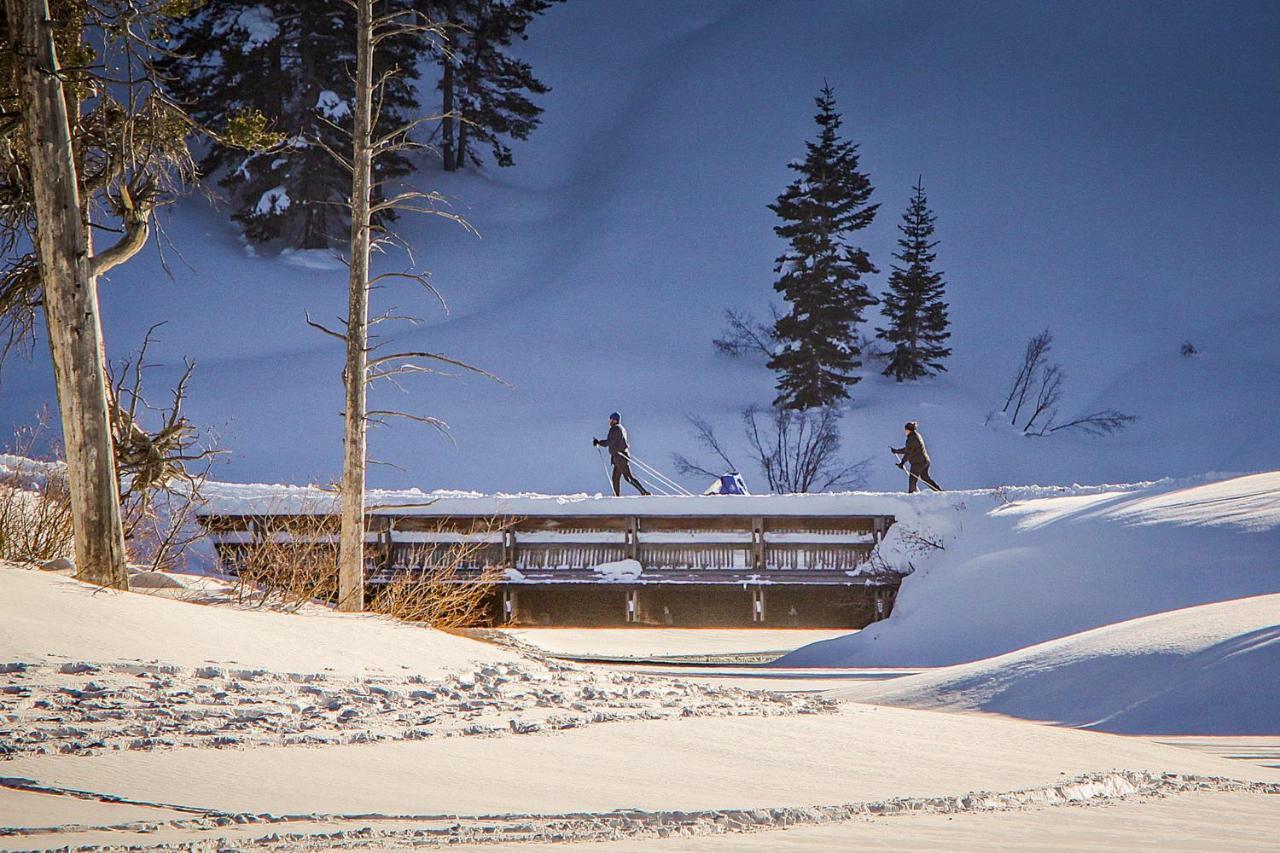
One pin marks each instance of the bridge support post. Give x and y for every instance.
(757, 604)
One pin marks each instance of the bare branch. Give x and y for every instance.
(433, 356)
(313, 324)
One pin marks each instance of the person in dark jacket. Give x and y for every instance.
(617, 444)
(916, 458)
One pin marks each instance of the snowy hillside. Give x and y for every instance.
(637, 213)
(1203, 670)
(1015, 574)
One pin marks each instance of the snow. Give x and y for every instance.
(312, 259)
(273, 201)
(664, 642)
(259, 26)
(1202, 670)
(246, 498)
(49, 617)
(1037, 568)
(667, 772)
(618, 571)
(331, 106)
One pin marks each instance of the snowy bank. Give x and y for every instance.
(1202, 670)
(1016, 573)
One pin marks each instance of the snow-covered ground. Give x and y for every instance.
(137, 719)
(1018, 568)
(1209, 669)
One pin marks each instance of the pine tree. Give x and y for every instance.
(485, 91)
(818, 350)
(294, 67)
(913, 306)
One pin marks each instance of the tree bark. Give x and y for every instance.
(70, 301)
(461, 162)
(351, 539)
(446, 85)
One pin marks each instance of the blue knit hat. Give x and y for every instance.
(614, 416)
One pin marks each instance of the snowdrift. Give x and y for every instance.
(45, 616)
(1038, 568)
(1202, 670)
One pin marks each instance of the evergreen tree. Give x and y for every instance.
(818, 349)
(485, 91)
(291, 63)
(913, 306)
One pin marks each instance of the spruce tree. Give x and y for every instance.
(485, 90)
(917, 327)
(821, 271)
(294, 66)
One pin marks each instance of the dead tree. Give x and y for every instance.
(162, 461)
(368, 200)
(744, 335)
(799, 451)
(67, 270)
(706, 436)
(1037, 389)
(1033, 359)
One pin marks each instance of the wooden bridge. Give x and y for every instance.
(767, 561)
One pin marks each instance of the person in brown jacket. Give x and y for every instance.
(916, 456)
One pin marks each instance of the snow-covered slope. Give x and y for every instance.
(1203, 670)
(638, 212)
(1012, 575)
(54, 618)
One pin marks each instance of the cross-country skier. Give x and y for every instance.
(915, 456)
(617, 444)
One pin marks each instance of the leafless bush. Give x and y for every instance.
(35, 502)
(799, 451)
(705, 435)
(162, 470)
(1104, 422)
(443, 597)
(1037, 389)
(920, 542)
(1029, 371)
(291, 560)
(445, 585)
(796, 450)
(744, 335)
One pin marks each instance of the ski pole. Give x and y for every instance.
(604, 466)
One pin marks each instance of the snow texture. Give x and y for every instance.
(1015, 570)
(1203, 670)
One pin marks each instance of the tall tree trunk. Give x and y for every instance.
(446, 85)
(70, 301)
(461, 162)
(351, 541)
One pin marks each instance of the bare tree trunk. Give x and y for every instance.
(446, 60)
(351, 540)
(461, 162)
(70, 301)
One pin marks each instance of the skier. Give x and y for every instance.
(617, 444)
(917, 457)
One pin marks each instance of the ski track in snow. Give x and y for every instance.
(374, 831)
